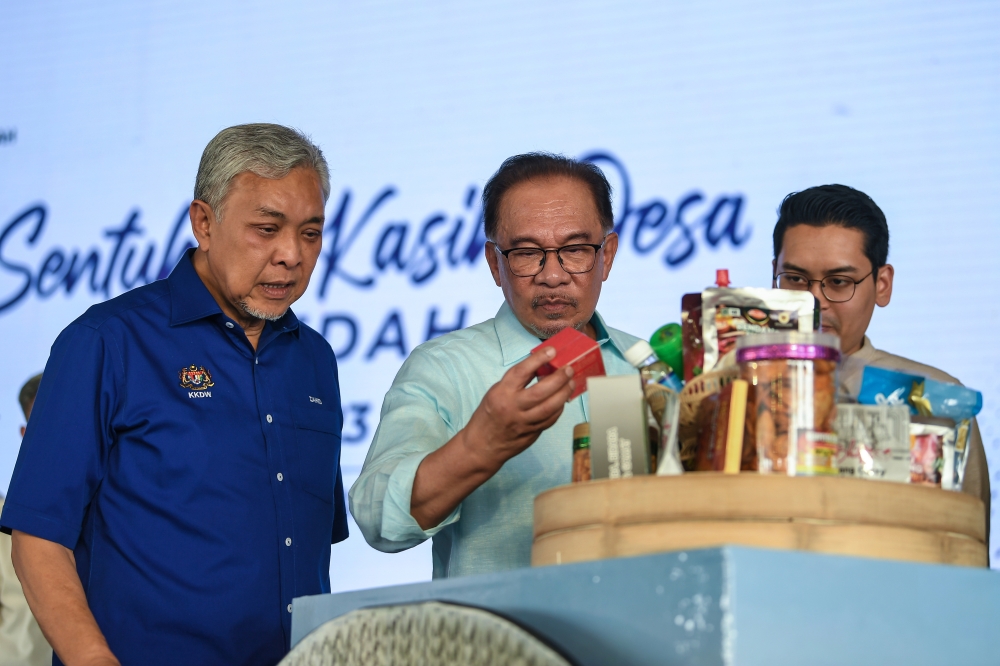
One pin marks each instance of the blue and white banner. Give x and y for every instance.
(703, 117)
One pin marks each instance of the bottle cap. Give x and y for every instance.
(722, 277)
(638, 353)
(581, 430)
(668, 345)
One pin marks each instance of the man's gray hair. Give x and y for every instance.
(264, 149)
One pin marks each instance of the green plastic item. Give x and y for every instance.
(666, 342)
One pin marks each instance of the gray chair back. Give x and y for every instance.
(425, 634)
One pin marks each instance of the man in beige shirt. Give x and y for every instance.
(834, 241)
(21, 641)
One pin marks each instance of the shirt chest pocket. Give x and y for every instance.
(317, 449)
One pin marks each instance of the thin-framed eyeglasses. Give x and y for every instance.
(529, 261)
(836, 288)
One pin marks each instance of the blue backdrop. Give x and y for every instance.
(703, 116)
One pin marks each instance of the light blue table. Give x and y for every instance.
(731, 606)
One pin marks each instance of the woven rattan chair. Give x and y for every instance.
(424, 634)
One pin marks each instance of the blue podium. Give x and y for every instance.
(730, 606)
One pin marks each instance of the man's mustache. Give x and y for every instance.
(556, 299)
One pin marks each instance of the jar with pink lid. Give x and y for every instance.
(791, 401)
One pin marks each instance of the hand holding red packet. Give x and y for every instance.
(575, 349)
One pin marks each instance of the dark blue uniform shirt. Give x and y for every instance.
(197, 480)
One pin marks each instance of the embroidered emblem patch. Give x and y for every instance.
(195, 378)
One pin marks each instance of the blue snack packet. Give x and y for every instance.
(923, 396)
(887, 387)
(946, 400)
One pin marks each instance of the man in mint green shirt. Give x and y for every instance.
(466, 439)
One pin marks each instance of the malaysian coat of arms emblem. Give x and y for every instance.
(196, 378)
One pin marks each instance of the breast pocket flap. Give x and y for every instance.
(316, 417)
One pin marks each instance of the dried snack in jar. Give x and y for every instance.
(791, 402)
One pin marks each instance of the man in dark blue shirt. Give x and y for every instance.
(179, 483)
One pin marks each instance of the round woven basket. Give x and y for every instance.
(651, 514)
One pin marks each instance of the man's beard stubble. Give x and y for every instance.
(260, 314)
(548, 331)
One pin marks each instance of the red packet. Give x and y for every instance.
(575, 349)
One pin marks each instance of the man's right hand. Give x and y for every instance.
(512, 415)
(509, 419)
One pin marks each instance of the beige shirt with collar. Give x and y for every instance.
(21, 641)
(977, 475)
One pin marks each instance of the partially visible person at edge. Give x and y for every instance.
(466, 440)
(21, 641)
(179, 483)
(834, 241)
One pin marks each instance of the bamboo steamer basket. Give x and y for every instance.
(651, 514)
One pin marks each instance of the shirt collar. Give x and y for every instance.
(516, 342)
(867, 351)
(191, 300)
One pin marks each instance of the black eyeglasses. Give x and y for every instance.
(836, 288)
(529, 261)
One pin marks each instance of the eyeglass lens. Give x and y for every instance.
(573, 258)
(836, 288)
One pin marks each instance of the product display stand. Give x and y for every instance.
(730, 606)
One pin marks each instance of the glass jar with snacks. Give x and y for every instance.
(791, 401)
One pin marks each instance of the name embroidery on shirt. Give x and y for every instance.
(196, 378)
(316, 400)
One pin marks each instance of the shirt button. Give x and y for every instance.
(281, 477)
(288, 541)
(269, 419)
(229, 324)
(289, 608)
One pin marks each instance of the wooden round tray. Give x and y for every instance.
(651, 514)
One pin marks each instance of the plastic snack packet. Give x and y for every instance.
(728, 314)
(873, 442)
(693, 351)
(880, 386)
(955, 402)
(932, 450)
